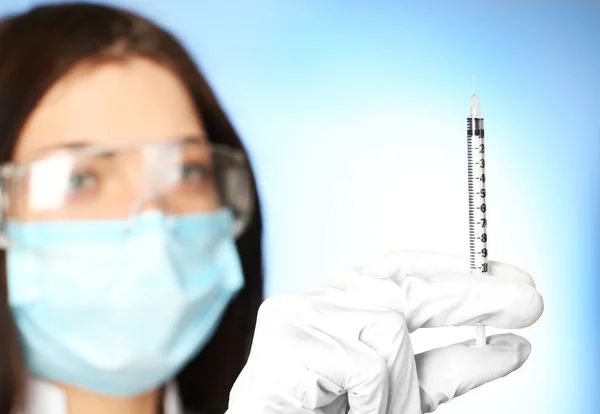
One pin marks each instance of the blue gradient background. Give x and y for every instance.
(354, 116)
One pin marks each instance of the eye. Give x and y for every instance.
(196, 172)
(82, 181)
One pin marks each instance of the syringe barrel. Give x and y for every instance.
(477, 196)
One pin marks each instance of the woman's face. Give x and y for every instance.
(108, 104)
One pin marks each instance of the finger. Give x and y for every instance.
(373, 331)
(448, 372)
(374, 340)
(387, 334)
(401, 263)
(440, 297)
(302, 360)
(274, 377)
(347, 366)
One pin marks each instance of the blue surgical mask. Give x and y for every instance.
(129, 305)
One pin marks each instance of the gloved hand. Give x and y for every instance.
(348, 347)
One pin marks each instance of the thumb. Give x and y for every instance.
(451, 371)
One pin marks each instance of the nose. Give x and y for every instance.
(148, 203)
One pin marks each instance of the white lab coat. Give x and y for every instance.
(45, 398)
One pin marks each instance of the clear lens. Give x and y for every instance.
(92, 183)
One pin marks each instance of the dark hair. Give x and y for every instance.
(39, 47)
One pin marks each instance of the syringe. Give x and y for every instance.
(477, 199)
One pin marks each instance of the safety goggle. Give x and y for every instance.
(178, 177)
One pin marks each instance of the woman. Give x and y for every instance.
(96, 74)
(123, 188)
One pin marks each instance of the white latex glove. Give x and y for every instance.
(348, 347)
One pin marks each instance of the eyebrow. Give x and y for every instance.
(186, 139)
(64, 145)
